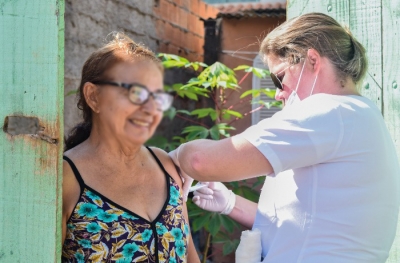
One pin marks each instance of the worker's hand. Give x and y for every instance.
(215, 198)
(186, 179)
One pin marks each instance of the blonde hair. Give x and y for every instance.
(119, 48)
(292, 39)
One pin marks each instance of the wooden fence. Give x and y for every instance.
(31, 116)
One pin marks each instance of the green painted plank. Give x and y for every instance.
(366, 26)
(31, 84)
(336, 9)
(391, 86)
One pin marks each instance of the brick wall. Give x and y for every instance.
(162, 25)
(179, 26)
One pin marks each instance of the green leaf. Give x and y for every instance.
(170, 113)
(200, 222)
(242, 67)
(214, 132)
(162, 142)
(157, 141)
(222, 84)
(228, 223)
(194, 80)
(194, 213)
(218, 69)
(260, 180)
(179, 140)
(235, 185)
(226, 116)
(184, 112)
(268, 92)
(173, 64)
(221, 237)
(214, 224)
(201, 113)
(195, 66)
(234, 113)
(230, 246)
(254, 92)
(259, 72)
(195, 132)
(190, 95)
(247, 193)
(224, 126)
(206, 84)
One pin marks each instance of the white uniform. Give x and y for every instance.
(334, 194)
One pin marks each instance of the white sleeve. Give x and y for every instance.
(297, 137)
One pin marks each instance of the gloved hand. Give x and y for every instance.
(186, 179)
(215, 198)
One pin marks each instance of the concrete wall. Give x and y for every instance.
(162, 25)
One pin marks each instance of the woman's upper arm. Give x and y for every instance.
(70, 195)
(226, 160)
(169, 166)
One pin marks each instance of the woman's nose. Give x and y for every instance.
(151, 105)
(278, 94)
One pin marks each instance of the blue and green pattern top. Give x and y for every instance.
(100, 230)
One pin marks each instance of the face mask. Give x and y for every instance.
(293, 97)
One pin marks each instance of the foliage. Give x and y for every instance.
(216, 82)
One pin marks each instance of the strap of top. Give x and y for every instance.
(158, 161)
(76, 172)
(82, 183)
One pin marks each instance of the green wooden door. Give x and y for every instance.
(31, 117)
(375, 23)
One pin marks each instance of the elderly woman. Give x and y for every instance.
(332, 190)
(121, 200)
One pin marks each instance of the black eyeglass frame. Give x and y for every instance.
(276, 80)
(130, 85)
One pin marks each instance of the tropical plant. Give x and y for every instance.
(215, 82)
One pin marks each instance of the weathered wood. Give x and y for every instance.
(336, 9)
(365, 24)
(391, 86)
(31, 85)
(375, 23)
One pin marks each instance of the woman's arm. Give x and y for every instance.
(169, 166)
(193, 257)
(216, 197)
(244, 212)
(226, 160)
(70, 195)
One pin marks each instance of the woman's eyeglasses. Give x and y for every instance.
(139, 94)
(277, 78)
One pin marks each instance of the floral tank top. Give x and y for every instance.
(100, 230)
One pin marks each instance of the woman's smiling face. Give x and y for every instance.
(117, 115)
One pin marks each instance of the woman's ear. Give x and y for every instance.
(315, 59)
(91, 93)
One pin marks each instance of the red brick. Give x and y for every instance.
(185, 4)
(173, 13)
(191, 22)
(195, 6)
(183, 18)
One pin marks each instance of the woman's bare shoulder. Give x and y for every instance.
(169, 166)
